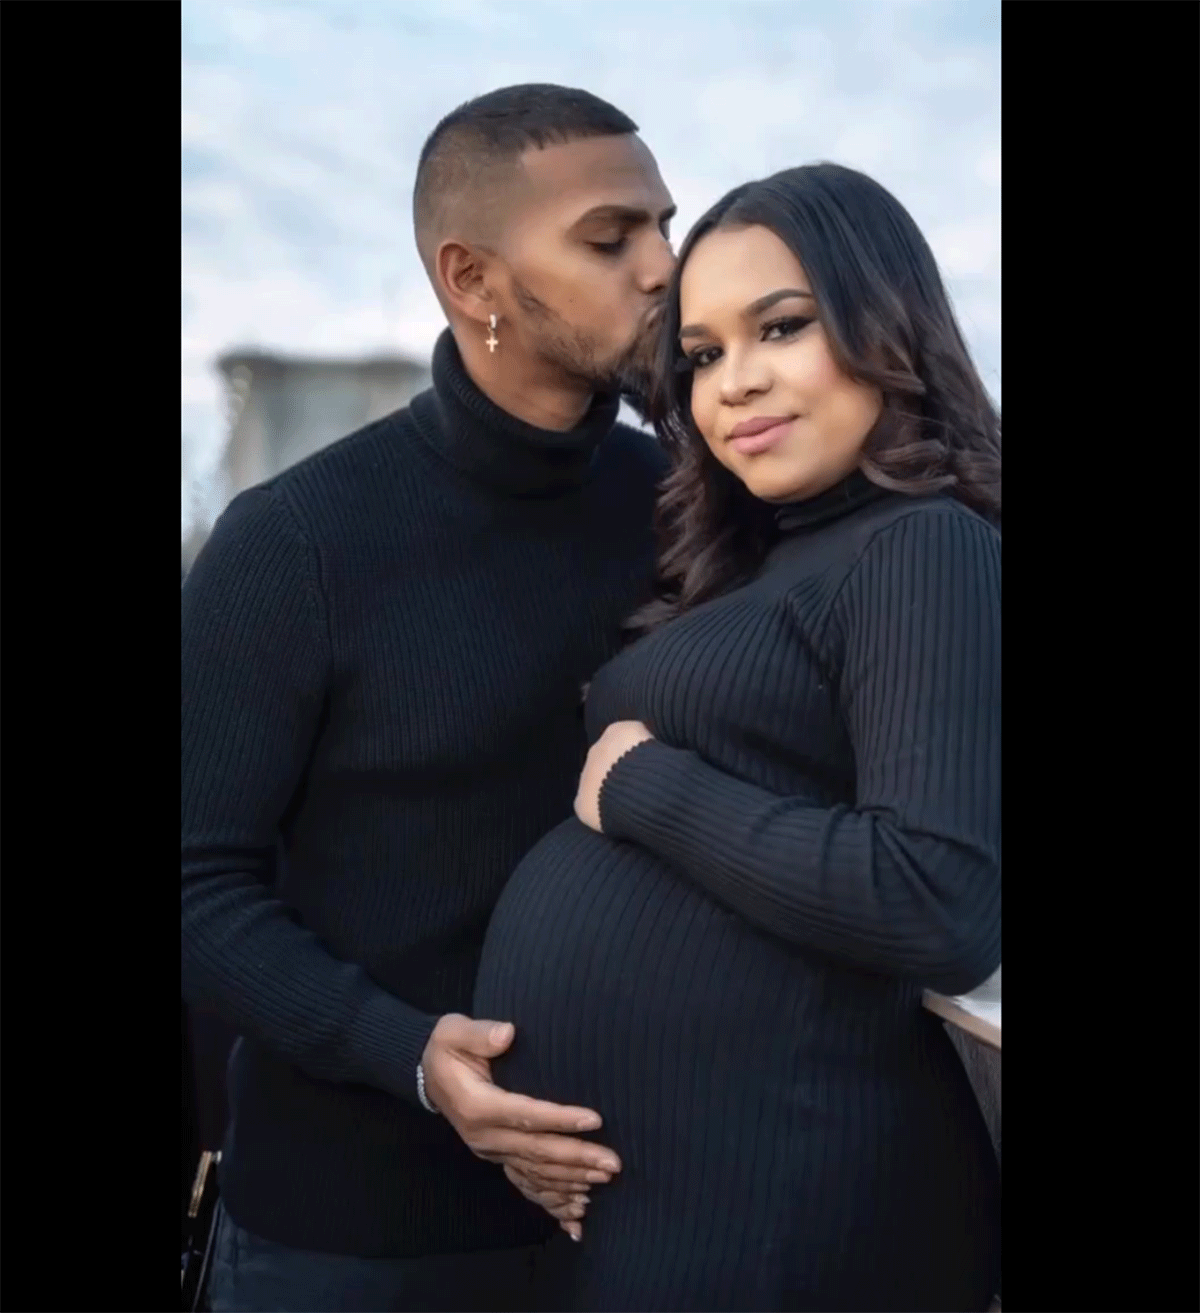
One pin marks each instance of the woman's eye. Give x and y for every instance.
(610, 248)
(705, 356)
(779, 329)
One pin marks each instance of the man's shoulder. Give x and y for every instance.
(345, 493)
(356, 460)
(635, 451)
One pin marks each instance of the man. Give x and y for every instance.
(383, 656)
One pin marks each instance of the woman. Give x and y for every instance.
(788, 824)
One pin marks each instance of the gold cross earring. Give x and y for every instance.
(492, 340)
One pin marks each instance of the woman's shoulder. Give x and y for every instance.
(926, 524)
(929, 554)
(897, 535)
(922, 524)
(832, 548)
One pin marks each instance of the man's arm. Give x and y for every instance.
(255, 678)
(255, 669)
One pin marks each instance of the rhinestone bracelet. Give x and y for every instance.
(421, 1092)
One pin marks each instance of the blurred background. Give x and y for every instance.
(305, 308)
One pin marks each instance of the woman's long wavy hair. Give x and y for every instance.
(888, 322)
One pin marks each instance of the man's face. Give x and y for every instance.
(585, 259)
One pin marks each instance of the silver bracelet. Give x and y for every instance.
(421, 1092)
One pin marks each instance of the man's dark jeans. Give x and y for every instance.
(252, 1275)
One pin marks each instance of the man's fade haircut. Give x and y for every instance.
(471, 149)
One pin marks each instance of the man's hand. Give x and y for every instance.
(607, 750)
(567, 1208)
(532, 1138)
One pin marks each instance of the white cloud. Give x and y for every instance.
(968, 249)
(987, 168)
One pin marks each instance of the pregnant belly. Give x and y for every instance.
(768, 1108)
(634, 993)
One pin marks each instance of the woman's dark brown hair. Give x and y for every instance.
(888, 322)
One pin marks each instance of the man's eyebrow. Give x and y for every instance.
(623, 214)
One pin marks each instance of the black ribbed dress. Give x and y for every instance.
(731, 974)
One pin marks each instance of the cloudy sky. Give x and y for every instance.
(303, 119)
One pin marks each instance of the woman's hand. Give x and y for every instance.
(613, 744)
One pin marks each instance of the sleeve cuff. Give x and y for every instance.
(640, 787)
(388, 1038)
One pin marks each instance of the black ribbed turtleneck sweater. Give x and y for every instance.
(383, 652)
(731, 973)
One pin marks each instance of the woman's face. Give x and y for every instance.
(767, 396)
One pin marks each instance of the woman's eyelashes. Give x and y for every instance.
(776, 330)
(780, 330)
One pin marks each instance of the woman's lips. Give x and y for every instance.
(754, 436)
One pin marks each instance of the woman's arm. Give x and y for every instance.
(907, 881)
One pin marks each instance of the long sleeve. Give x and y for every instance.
(255, 671)
(907, 880)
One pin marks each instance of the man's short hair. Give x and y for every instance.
(462, 167)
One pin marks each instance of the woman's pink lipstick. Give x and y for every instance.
(754, 435)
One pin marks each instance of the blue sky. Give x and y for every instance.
(302, 121)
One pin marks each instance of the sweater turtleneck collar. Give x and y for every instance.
(843, 498)
(493, 447)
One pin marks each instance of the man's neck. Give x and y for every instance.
(523, 392)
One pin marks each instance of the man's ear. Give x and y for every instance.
(461, 270)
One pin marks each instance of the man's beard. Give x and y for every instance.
(634, 374)
(630, 374)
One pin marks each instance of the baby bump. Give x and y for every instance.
(741, 1082)
(629, 987)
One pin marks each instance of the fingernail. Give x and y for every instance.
(600, 1178)
(591, 1123)
(500, 1033)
